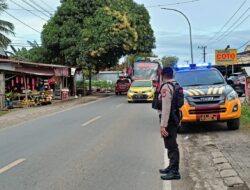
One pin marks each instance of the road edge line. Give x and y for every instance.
(11, 165)
(91, 121)
(55, 113)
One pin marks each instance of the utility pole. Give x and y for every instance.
(204, 52)
(228, 48)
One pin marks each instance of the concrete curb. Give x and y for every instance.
(229, 175)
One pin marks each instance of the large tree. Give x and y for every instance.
(34, 54)
(169, 61)
(117, 29)
(6, 27)
(97, 33)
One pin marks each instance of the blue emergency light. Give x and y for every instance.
(193, 66)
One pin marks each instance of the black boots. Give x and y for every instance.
(171, 174)
(165, 171)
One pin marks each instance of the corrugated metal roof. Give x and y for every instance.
(36, 71)
(31, 63)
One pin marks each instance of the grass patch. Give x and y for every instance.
(3, 113)
(245, 117)
(97, 84)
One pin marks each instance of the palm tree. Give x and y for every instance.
(6, 27)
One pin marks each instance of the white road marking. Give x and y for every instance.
(91, 121)
(55, 113)
(78, 106)
(119, 105)
(11, 165)
(166, 184)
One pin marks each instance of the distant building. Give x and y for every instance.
(107, 75)
(244, 57)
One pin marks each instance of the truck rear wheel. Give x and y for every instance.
(233, 124)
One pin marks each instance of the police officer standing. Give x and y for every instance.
(168, 126)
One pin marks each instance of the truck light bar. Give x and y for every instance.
(193, 66)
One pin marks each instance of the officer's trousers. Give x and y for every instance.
(172, 147)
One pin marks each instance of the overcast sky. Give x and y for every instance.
(171, 29)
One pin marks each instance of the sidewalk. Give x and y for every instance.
(18, 116)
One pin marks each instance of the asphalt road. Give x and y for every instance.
(107, 145)
(112, 145)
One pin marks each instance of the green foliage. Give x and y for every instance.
(97, 84)
(97, 33)
(245, 117)
(133, 57)
(6, 27)
(3, 112)
(169, 61)
(35, 54)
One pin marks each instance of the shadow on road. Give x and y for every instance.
(194, 128)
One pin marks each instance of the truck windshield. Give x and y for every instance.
(141, 84)
(147, 71)
(199, 78)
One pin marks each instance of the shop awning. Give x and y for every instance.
(35, 68)
(36, 71)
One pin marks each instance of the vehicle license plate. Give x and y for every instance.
(138, 96)
(209, 117)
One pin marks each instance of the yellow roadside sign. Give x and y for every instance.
(226, 57)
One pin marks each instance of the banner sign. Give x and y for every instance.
(226, 57)
(61, 72)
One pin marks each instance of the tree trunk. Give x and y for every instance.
(83, 79)
(2, 90)
(90, 82)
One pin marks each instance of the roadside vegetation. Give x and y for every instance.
(92, 35)
(3, 113)
(245, 118)
(98, 85)
(95, 39)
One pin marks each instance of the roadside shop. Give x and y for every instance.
(29, 84)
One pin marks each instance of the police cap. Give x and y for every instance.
(167, 71)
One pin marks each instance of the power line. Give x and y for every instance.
(243, 45)
(200, 59)
(35, 3)
(23, 46)
(228, 21)
(30, 10)
(35, 8)
(27, 10)
(170, 4)
(24, 43)
(232, 27)
(47, 5)
(21, 22)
